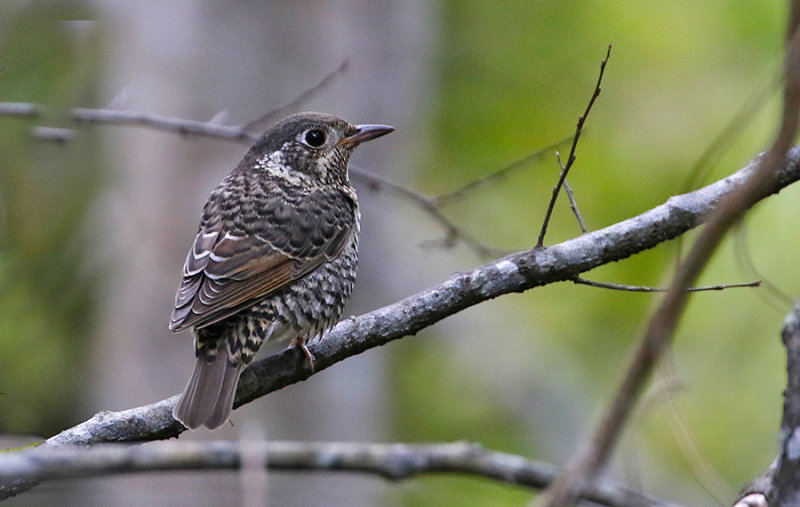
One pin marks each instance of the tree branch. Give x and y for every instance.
(514, 273)
(588, 460)
(780, 483)
(391, 461)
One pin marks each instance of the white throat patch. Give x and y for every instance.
(275, 163)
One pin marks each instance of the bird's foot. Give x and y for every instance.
(301, 344)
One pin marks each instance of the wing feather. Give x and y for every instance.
(243, 253)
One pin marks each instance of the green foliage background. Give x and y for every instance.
(46, 191)
(516, 76)
(510, 77)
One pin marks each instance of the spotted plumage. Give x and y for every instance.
(275, 256)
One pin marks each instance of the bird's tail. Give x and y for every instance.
(208, 398)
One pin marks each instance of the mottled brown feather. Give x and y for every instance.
(226, 271)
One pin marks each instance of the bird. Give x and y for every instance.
(274, 258)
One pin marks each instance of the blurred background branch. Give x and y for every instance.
(394, 462)
(431, 205)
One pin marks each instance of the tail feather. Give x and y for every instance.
(208, 398)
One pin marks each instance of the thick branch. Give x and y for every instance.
(514, 273)
(787, 475)
(390, 461)
(780, 483)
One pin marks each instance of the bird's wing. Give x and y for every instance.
(227, 269)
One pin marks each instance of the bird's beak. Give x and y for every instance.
(365, 133)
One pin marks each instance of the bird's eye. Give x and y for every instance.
(315, 138)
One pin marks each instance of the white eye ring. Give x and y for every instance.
(314, 137)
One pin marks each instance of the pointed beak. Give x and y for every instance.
(365, 133)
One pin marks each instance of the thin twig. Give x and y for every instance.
(166, 123)
(278, 113)
(428, 204)
(642, 288)
(571, 159)
(588, 460)
(705, 474)
(446, 198)
(573, 204)
(780, 300)
(722, 141)
(719, 145)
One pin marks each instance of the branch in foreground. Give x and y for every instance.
(390, 461)
(589, 459)
(514, 273)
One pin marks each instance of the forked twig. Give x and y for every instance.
(571, 159)
(573, 204)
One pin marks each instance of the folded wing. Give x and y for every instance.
(238, 260)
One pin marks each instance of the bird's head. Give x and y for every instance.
(313, 147)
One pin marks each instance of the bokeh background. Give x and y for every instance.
(93, 232)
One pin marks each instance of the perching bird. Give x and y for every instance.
(275, 257)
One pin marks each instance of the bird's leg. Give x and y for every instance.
(301, 344)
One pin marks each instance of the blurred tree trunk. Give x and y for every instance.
(246, 58)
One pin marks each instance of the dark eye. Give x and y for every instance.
(315, 138)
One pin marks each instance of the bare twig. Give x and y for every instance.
(573, 204)
(446, 198)
(705, 474)
(278, 113)
(166, 123)
(719, 145)
(391, 461)
(641, 288)
(428, 204)
(588, 460)
(571, 159)
(780, 301)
